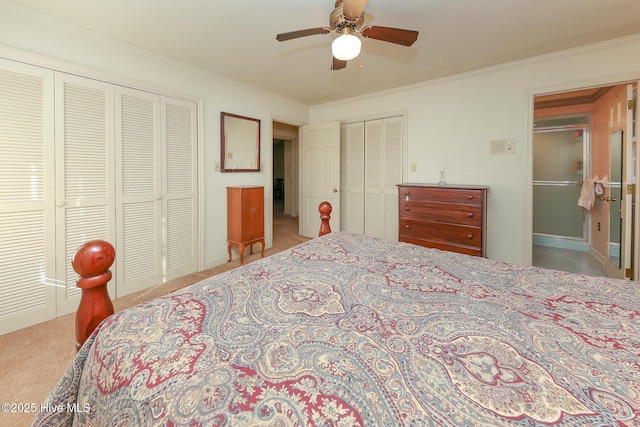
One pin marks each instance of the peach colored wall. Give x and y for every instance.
(605, 121)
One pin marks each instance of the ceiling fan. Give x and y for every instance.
(347, 19)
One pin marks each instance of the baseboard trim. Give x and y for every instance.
(561, 242)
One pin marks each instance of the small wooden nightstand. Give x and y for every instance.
(245, 218)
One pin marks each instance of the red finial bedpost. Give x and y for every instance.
(325, 215)
(92, 261)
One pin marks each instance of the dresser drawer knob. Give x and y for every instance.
(470, 215)
(470, 236)
(407, 226)
(469, 197)
(407, 208)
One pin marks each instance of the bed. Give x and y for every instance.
(349, 330)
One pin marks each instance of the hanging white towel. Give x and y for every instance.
(587, 194)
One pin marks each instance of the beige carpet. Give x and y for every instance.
(33, 359)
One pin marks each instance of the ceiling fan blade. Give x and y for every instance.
(302, 33)
(391, 35)
(353, 9)
(338, 64)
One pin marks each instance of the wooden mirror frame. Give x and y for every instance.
(242, 143)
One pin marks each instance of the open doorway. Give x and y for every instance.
(285, 182)
(571, 157)
(561, 165)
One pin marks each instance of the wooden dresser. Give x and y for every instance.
(447, 217)
(245, 218)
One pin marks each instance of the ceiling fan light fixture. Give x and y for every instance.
(346, 47)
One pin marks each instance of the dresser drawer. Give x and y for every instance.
(441, 232)
(469, 250)
(442, 212)
(466, 196)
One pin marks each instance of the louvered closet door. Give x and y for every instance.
(383, 171)
(374, 173)
(85, 196)
(139, 192)
(27, 204)
(352, 177)
(392, 174)
(179, 186)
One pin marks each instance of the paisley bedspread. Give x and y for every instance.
(348, 330)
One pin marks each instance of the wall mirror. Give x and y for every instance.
(239, 143)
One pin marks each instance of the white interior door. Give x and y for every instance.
(371, 161)
(179, 186)
(383, 172)
(85, 176)
(64, 183)
(139, 192)
(352, 177)
(27, 202)
(618, 263)
(392, 167)
(629, 181)
(319, 175)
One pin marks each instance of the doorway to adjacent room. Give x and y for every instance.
(285, 182)
(574, 154)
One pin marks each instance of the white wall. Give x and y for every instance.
(451, 122)
(39, 40)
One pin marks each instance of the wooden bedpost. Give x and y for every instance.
(325, 215)
(92, 261)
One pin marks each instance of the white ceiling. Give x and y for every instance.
(236, 38)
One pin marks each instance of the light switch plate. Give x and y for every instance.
(503, 146)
